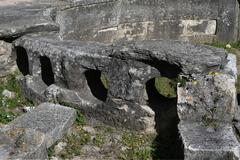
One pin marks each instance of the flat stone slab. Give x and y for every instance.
(22, 144)
(189, 57)
(19, 17)
(204, 142)
(50, 119)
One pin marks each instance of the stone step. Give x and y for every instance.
(51, 119)
(215, 141)
(22, 144)
(29, 135)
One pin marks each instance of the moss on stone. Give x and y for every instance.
(104, 81)
(166, 87)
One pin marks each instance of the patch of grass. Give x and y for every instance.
(104, 81)
(166, 87)
(217, 44)
(50, 151)
(7, 106)
(75, 142)
(137, 146)
(98, 140)
(6, 117)
(80, 119)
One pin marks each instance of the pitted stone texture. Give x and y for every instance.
(231, 67)
(18, 18)
(33, 87)
(22, 144)
(201, 142)
(50, 119)
(117, 113)
(212, 97)
(111, 20)
(7, 63)
(190, 58)
(127, 67)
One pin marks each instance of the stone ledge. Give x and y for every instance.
(205, 142)
(51, 119)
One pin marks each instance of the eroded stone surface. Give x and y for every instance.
(111, 20)
(216, 101)
(22, 143)
(70, 72)
(127, 67)
(201, 142)
(18, 18)
(206, 91)
(7, 63)
(137, 20)
(50, 119)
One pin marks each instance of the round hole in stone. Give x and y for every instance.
(22, 60)
(97, 84)
(46, 70)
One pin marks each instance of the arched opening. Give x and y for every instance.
(97, 84)
(22, 60)
(46, 70)
(162, 98)
(165, 68)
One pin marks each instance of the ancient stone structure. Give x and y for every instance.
(111, 20)
(102, 57)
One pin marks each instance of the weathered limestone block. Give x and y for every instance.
(206, 108)
(22, 144)
(77, 68)
(112, 20)
(195, 20)
(33, 88)
(212, 97)
(7, 63)
(201, 141)
(50, 119)
(18, 18)
(71, 72)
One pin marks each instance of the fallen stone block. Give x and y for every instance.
(51, 119)
(203, 141)
(22, 143)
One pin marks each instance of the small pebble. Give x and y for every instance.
(8, 94)
(89, 129)
(228, 46)
(59, 147)
(27, 109)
